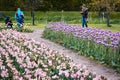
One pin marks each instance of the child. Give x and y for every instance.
(8, 22)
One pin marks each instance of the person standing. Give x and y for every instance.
(84, 13)
(19, 16)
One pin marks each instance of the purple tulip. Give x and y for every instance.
(105, 37)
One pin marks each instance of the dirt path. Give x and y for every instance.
(92, 65)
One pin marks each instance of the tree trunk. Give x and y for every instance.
(99, 14)
(107, 14)
(33, 19)
(108, 19)
(32, 11)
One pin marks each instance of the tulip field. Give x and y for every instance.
(22, 58)
(98, 44)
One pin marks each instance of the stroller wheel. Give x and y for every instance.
(8, 26)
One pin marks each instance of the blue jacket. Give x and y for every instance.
(19, 15)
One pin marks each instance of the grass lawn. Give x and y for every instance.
(36, 26)
(114, 27)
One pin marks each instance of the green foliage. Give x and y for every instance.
(42, 4)
(69, 17)
(58, 5)
(23, 30)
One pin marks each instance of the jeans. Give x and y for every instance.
(84, 22)
(20, 23)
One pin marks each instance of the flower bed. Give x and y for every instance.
(24, 29)
(25, 59)
(102, 45)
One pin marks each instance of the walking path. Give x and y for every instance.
(92, 65)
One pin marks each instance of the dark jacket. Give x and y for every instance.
(8, 22)
(85, 13)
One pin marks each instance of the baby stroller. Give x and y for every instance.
(8, 22)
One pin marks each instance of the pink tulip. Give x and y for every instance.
(86, 73)
(66, 73)
(82, 78)
(16, 77)
(28, 77)
(50, 62)
(73, 75)
(4, 73)
(1, 63)
(43, 74)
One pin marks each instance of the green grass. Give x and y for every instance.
(71, 17)
(27, 25)
(37, 26)
(114, 27)
(67, 16)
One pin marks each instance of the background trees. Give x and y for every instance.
(55, 5)
(106, 6)
(101, 6)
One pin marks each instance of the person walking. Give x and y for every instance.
(19, 16)
(84, 13)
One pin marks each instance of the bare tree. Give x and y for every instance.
(32, 5)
